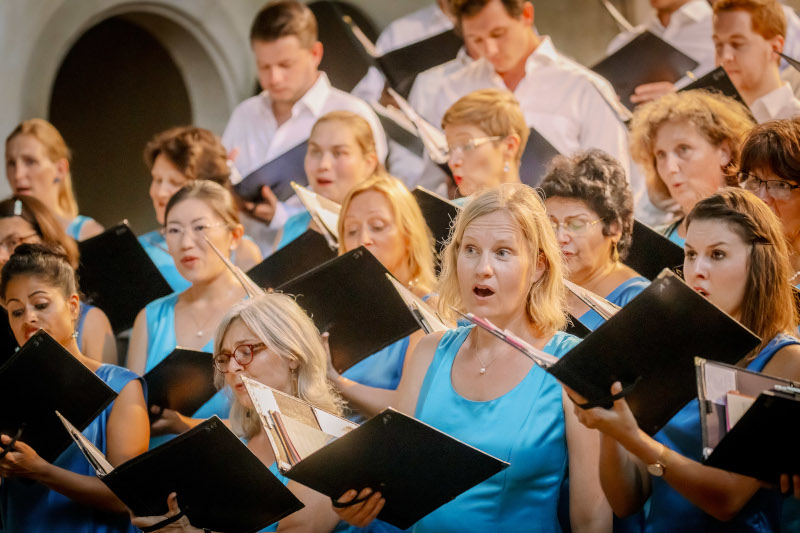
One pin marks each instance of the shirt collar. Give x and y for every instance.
(314, 99)
(545, 54)
(775, 101)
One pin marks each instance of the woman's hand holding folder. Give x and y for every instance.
(617, 422)
(179, 526)
(21, 461)
(787, 483)
(359, 509)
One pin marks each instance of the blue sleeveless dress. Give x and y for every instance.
(161, 342)
(295, 226)
(624, 293)
(525, 427)
(671, 232)
(33, 507)
(74, 228)
(669, 511)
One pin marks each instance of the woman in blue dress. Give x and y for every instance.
(187, 319)
(25, 219)
(736, 256)
(590, 205)
(381, 215)
(503, 264)
(38, 165)
(341, 154)
(176, 157)
(687, 143)
(39, 289)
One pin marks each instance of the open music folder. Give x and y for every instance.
(183, 381)
(651, 252)
(118, 276)
(220, 484)
(277, 174)
(716, 81)
(416, 467)
(439, 213)
(749, 421)
(40, 378)
(649, 346)
(306, 252)
(400, 67)
(645, 59)
(324, 212)
(351, 298)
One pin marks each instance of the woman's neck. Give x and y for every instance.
(72, 347)
(222, 287)
(595, 279)
(518, 324)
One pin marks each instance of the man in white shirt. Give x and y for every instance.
(748, 34)
(565, 102)
(686, 25)
(295, 94)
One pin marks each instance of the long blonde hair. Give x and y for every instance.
(286, 329)
(56, 150)
(546, 299)
(407, 216)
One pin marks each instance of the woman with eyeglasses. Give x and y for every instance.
(769, 166)
(737, 258)
(24, 219)
(590, 206)
(271, 340)
(486, 135)
(202, 209)
(40, 291)
(176, 157)
(38, 165)
(687, 144)
(341, 154)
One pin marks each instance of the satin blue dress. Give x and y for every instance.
(35, 508)
(669, 511)
(74, 228)
(295, 226)
(525, 427)
(160, 315)
(624, 293)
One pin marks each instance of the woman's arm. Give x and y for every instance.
(588, 508)
(367, 400)
(127, 436)
(316, 516)
(97, 338)
(89, 229)
(137, 348)
(414, 371)
(247, 255)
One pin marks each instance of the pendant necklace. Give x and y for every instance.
(483, 365)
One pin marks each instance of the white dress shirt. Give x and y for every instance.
(791, 46)
(412, 28)
(429, 81)
(564, 101)
(689, 30)
(254, 131)
(779, 104)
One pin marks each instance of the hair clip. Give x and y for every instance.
(18, 208)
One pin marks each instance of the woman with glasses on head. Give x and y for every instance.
(38, 165)
(769, 166)
(590, 205)
(737, 258)
(24, 219)
(340, 155)
(202, 209)
(40, 291)
(486, 135)
(687, 144)
(175, 158)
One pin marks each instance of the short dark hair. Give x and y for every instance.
(773, 146)
(599, 181)
(282, 19)
(470, 8)
(46, 261)
(196, 152)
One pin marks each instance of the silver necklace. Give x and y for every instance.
(484, 366)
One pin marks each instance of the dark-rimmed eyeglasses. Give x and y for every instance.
(243, 354)
(778, 189)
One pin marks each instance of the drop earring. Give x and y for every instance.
(506, 168)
